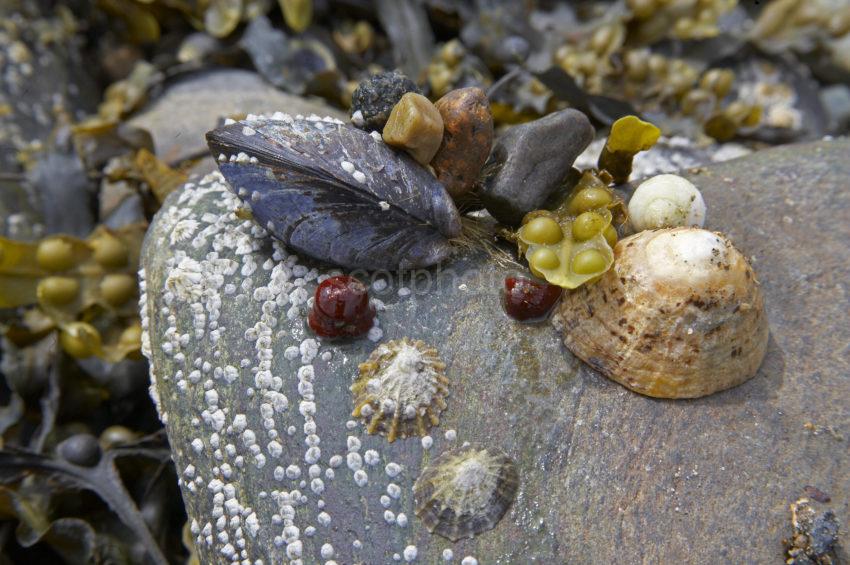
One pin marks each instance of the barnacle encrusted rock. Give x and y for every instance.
(465, 491)
(271, 462)
(401, 389)
(374, 98)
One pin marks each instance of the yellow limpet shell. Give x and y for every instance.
(629, 136)
(401, 389)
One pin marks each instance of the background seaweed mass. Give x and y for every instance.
(102, 109)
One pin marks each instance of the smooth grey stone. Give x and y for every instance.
(178, 134)
(530, 161)
(606, 475)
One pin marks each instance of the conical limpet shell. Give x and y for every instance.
(401, 389)
(679, 315)
(465, 491)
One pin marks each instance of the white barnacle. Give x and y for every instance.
(394, 490)
(324, 519)
(410, 553)
(348, 167)
(359, 176)
(354, 461)
(666, 201)
(371, 457)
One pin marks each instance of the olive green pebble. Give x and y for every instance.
(117, 289)
(589, 199)
(542, 230)
(587, 225)
(55, 254)
(58, 291)
(588, 262)
(416, 126)
(110, 252)
(79, 340)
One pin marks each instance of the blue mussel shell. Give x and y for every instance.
(336, 193)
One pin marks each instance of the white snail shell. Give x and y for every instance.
(679, 315)
(666, 201)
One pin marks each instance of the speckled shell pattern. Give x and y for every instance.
(438, 498)
(667, 326)
(336, 193)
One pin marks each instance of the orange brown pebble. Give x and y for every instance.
(467, 139)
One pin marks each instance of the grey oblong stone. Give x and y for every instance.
(530, 161)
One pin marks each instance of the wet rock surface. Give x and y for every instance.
(258, 409)
(467, 139)
(529, 161)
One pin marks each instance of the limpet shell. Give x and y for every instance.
(465, 491)
(679, 315)
(401, 389)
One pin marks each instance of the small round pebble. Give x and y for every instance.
(375, 97)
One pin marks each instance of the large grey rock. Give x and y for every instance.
(607, 476)
(530, 161)
(192, 106)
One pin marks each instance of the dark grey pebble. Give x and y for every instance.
(530, 161)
